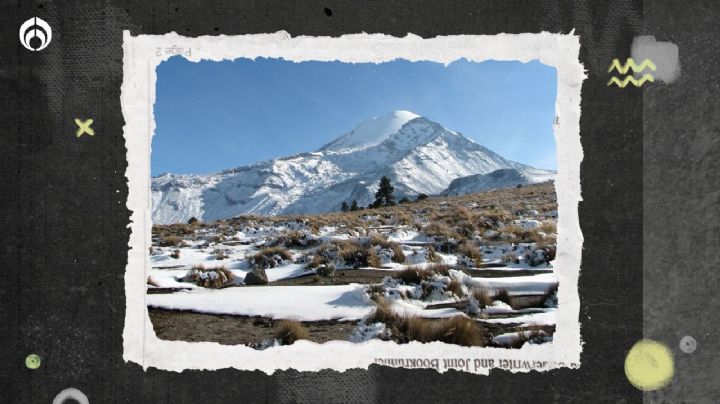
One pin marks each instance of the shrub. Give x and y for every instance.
(422, 197)
(169, 241)
(289, 331)
(471, 251)
(457, 330)
(414, 275)
(210, 277)
(175, 254)
(270, 257)
(192, 220)
(504, 296)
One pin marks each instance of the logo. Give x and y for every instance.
(35, 34)
(630, 64)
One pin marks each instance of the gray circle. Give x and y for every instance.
(688, 344)
(71, 393)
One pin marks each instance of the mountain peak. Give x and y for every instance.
(371, 132)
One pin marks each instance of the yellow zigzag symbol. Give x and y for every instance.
(630, 64)
(631, 79)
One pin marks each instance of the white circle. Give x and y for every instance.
(688, 344)
(71, 393)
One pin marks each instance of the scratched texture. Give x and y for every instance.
(64, 221)
(681, 207)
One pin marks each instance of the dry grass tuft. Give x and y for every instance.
(376, 291)
(377, 239)
(383, 312)
(170, 241)
(457, 330)
(357, 255)
(220, 254)
(270, 257)
(296, 239)
(215, 278)
(455, 288)
(441, 231)
(414, 275)
(482, 296)
(470, 250)
(289, 331)
(440, 269)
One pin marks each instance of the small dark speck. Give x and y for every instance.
(177, 9)
(217, 29)
(188, 30)
(41, 6)
(328, 12)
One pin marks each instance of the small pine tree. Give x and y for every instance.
(344, 207)
(519, 186)
(384, 195)
(354, 205)
(192, 220)
(421, 197)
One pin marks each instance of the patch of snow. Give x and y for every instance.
(302, 303)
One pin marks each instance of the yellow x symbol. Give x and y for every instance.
(84, 127)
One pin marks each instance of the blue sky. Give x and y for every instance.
(212, 116)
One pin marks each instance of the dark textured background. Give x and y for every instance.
(64, 220)
(681, 206)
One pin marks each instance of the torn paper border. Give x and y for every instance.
(142, 54)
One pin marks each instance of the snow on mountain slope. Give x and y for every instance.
(418, 155)
(503, 178)
(371, 132)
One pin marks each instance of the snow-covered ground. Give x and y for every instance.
(450, 272)
(303, 303)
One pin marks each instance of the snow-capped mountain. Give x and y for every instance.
(502, 178)
(418, 155)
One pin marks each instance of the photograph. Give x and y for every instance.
(402, 201)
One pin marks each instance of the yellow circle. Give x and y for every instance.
(649, 365)
(32, 361)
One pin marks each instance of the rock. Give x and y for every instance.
(256, 277)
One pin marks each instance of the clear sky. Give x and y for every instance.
(213, 116)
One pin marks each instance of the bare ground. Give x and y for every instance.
(235, 330)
